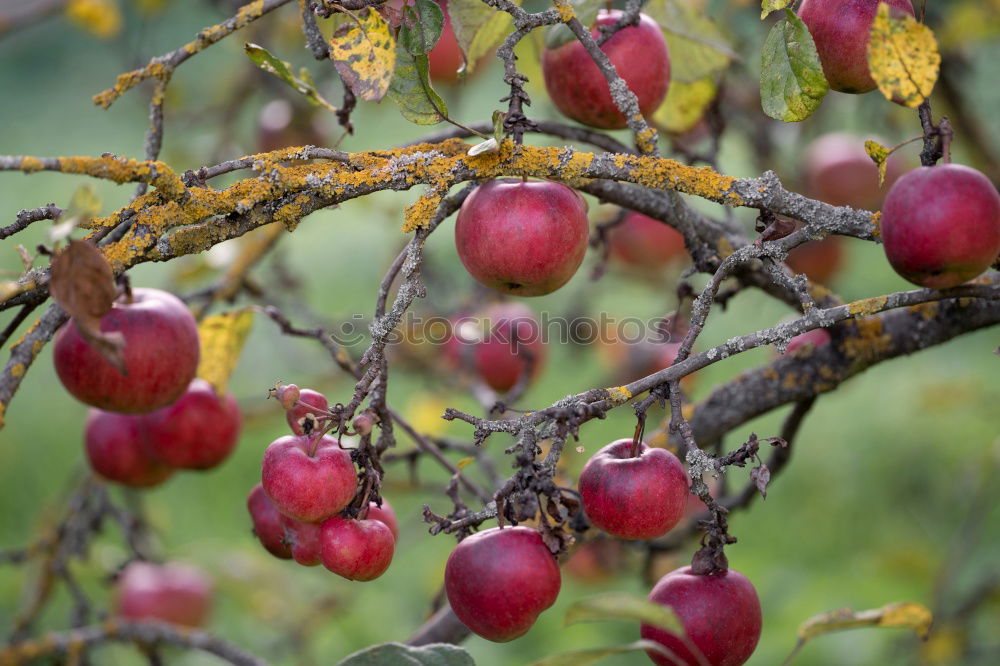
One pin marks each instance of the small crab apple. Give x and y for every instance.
(267, 523)
(646, 243)
(525, 238)
(175, 593)
(356, 549)
(117, 450)
(503, 343)
(198, 431)
(499, 580)
(161, 355)
(578, 88)
(721, 615)
(941, 225)
(819, 260)
(815, 339)
(287, 394)
(308, 480)
(304, 541)
(384, 514)
(302, 416)
(634, 492)
(841, 30)
(839, 171)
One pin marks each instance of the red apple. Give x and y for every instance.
(267, 523)
(503, 342)
(118, 451)
(644, 242)
(839, 172)
(841, 30)
(446, 58)
(303, 540)
(522, 237)
(198, 431)
(819, 260)
(304, 411)
(941, 225)
(384, 514)
(174, 593)
(721, 616)
(579, 89)
(308, 480)
(634, 496)
(356, 549)
(596, 561)
(161, 355)
(814, 339)
(499, 580)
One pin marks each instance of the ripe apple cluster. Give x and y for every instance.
(307, 482)
(157, 417)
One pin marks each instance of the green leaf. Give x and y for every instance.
(397, 654)
(620, 606)
(422, 26)
(768, 6)
(792, 84)
(901, 614)
(304, 86)
(879, 155)
(411, 90)
(478, 28)
(697, 46)
(585, 10)
(593, 655)
(498, 118)
(364, 54)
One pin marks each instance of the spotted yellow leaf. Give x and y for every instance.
(685, 104)
(903, 57)
(222, 338)
(901, 614)
(880, 156)
(364, 54)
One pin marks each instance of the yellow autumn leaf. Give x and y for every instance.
(465, 462)
(880, 156)
(685, 104)
(364, 54)
(900, 614)
(903, 57)
(424, 414)
(222, 338)
(101, 18)
(768, 6)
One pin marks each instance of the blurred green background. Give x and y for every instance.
(881, 486)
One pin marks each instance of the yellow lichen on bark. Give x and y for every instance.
(869, 341)
(664, 174)
(31, 164)
(618, 395)
(867, 306)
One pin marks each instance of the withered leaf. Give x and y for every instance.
(761, 476)
(83, 285)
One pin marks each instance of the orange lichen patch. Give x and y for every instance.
(118, 170)
(867, 306)
(618, 395)
(645, 141)
(792, 381)
(31, 164)
(667, 174)
(877, 224)
(129, 80)
(869, 340)
(290, 214)
(769, 374)
(565, 10)
(17, 370)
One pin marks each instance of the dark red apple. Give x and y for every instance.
(644, 242)
(174, 593)
(634, 496)
(721, 616)
(841, 30)
(198, 431)
(267, 523)
(839, 172)
(308, 480)
(503, 342)
(820, 260)
(356, 549)
(161, 355)
(596, 561)
(304, 412)
(304, 541)
(941, 225)
(384, 514)
(118, 451)
(499, 580)
(815, 338)
(522, 237)
(579, 89)
(446, 58)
